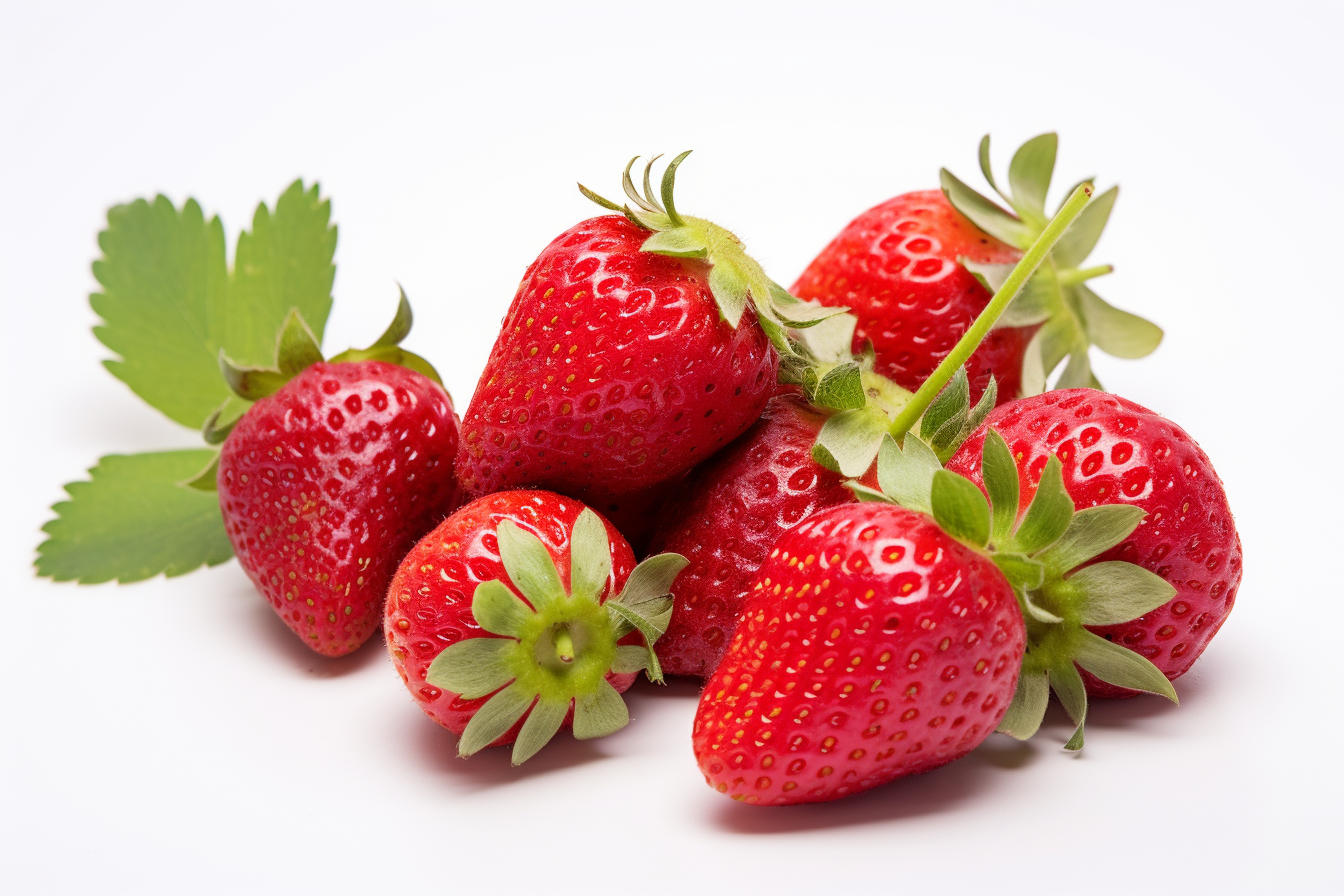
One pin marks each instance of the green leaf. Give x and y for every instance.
(168, 305)
(207, 480)
(498, 610)
(906, 474)
(1121, 667)
(630, 658)
(985, 214)
(651, 580)
(1026, 712)
(296, 348)
(542, 723)
(529, 565)
(1081, 238)
(1049, 514)
(1116, 332)
(1001, 481)
(474, 667)
(493, 720)
(1021, 571)
(1030, 171)
(599, 713)
(1068, 686)
(948, 409)
(841, 388)
(589, 557)
(850, 440)
(730, 292)
(680, 242)
(988, 171)
(1092, 531)
(402, 321)
(132, 520)
(1116, 591)
(960, 508)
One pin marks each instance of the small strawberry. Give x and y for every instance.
(915, 271)
(330, 477)
(637, 345)
(1113, 451)
(874, 645)
(523, 613)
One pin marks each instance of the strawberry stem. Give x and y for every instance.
(969, 342)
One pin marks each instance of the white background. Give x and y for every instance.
(173, 737)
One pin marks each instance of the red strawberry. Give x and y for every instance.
(726, 517)
(1113, 451)
(874, 645)
(635, 347)
(914, 269)
(505, 622)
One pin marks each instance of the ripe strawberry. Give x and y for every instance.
(1113, 451)
(522, 613)
(330, 477)
(874, 645)
(914, 270)
(727, 515)
(636, 347)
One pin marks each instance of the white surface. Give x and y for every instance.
(172, 737)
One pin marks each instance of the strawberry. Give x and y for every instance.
(874, 645)
(330, 477)
(1113, 451)
(523, 613)
(635, 347)
(914, 270)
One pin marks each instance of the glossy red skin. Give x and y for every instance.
(429, 601)
(873, 646)
(895, 267)
(326, 484)
(1114, 451)
(612, 370)
(725, 520)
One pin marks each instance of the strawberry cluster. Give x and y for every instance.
(865, 521)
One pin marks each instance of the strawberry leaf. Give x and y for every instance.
(599, 713)
(1090, 532)
(474, 667)
(1005, 492)
(1029, 174)
(1068, 687)
(1049, 514)
(496, 717)
(1115, 591)
(498, 610)
(1081, 238)
(1121, 667)
(542, 724)
(132, 521)
(986, 215)
(1025, 713)
(960, 508)
(1116, 332)
(589, 557)
(906, 474)
(529, 565)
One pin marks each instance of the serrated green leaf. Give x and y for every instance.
(1121, 667)
(986, 215)
(1026, 712)
(906, 474)
(841, 388)
(680, 242)
(1004, 488)
(529, 565)
(589, 557)
(1116, 332)
(498, 610)
(493, 720)
(1048, 515)
(474, 667)
(1029, 174)
(132, 520)
(851, 438)
(1092, 531)
(599, 713)
(541, 725)
(168, 304)
(1115, 591)
(960, 508)
(1072, 694)
(1081, 238)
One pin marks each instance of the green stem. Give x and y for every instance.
(564, 646)
(1075, 276)
(969, 342)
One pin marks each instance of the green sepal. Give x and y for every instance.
(676, 243)
(493, 720)
(1027, 711)
(600, 713)
(988, 171)
(1081, 238)
(1029, 175)
(474, 667)
(1036, 611)
(529, 565)
(865, 495)
(960, 508)
(1049, 514)
(906, 474)
(1115, 591)
(542, 724)
(1092, 531)
(947, 411)
(630, 658)
(1116, 332)
(985, 214)
(1072, 693)
(498, 610)
(1021, 571)
(1001, 482)
(296, 349)
(645, 604)
(223, 419)
(841, 388)
(849, 440)
(589, 556)
(1121, 667)
(387, 348)
(207, 480)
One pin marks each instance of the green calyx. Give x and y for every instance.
(554, 648)
(1047, 554)
(1071, 315)
(736, 280)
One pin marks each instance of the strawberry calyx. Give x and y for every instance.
(549, 650)
(736, 280)
(1071, 316)
(1048, 554)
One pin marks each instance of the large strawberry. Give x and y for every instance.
(522, 613)
(637, 346)
(330, 477)
(1113, 451)
(915, 271)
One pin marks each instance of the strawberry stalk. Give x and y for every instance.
(1017, 278)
